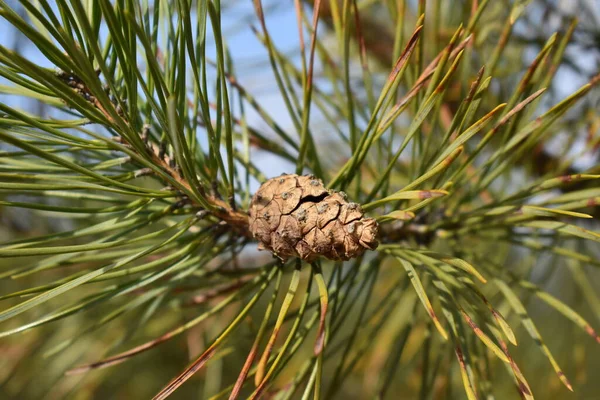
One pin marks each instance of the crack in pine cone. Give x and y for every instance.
(294, 215)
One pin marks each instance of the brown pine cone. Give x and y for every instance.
(297, 216)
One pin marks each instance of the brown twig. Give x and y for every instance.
(222, 210)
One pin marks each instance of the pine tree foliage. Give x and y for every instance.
(138, 273)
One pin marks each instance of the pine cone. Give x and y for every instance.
(297, 216)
